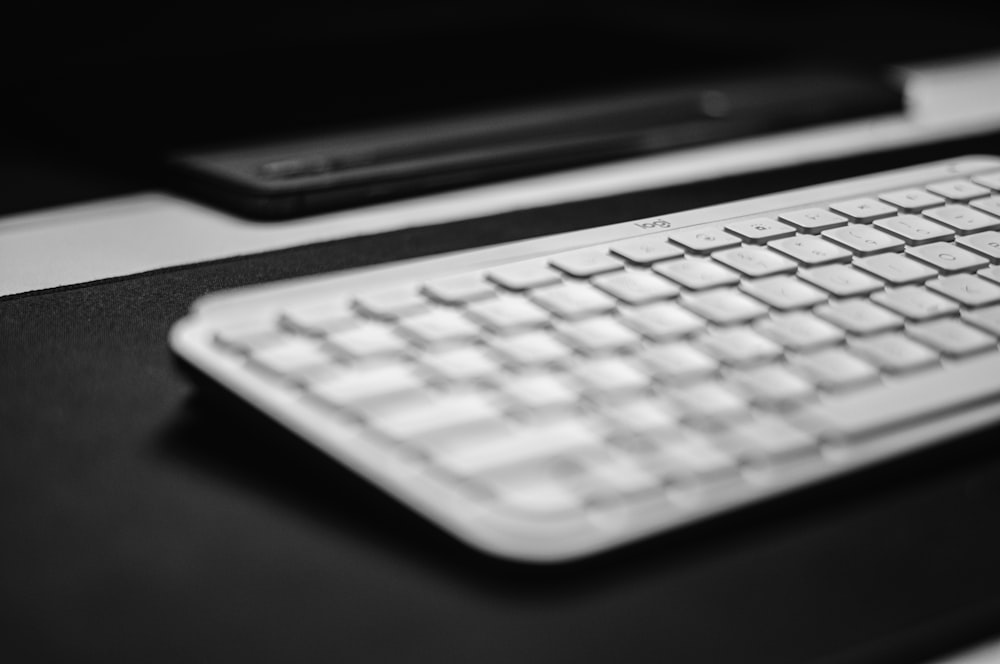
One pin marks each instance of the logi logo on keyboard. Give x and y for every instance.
(650, 224)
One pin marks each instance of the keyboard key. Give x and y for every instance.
(772, 385)
(524, 275)
(661, 321)
(992, 273)
(760, 230)
(990, 180)
(951, 337)
(438, 326)
(813, 220)
(710, 402)
(507, 313)
(990, 205)
(610, 376)
(642, 415)
(370, 388)
(958, 190)
(647, 249)
(573, 300)
(863, 209)
(986, 243)
(914, 229)
(863, 240)
(834, 368)
(962, 219)
(841, 280)
(947, 257)
(690, 462)
(859, 316)
(367, 340)
(317, 319)
(739, 346)
(893, 352)
(598, 335)
(766, 439)
(291, 357)
(810, 250)
(697, 273)
(586, 262)
(391, 303)
(784, 292)
(755, 261)
(459, 289)
(967, 289)
(249, 336)
(461, 364)
(912, 199)
(539, 391)
(895, 268)
(987, 319)
(724, 306)
(467, 416)
(636, 287)
(799, 330)
(532, 348)
(702, 239)
(915, 303)
(678, 361)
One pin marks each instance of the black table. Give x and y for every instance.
(146, 520)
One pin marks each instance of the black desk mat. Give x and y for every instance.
(146, 521)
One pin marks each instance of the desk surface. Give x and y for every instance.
(149, 522)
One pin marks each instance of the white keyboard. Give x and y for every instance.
(549, 399)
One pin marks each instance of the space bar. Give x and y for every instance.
(876, 409)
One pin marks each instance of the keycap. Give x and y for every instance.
(914, 229)
(610, 376)
(992, 273)
(573, 300)
(755, 261)
(318, 318)
(367, 340)
(391, 303)
(915, 303)
(678, 361)
(249, 335)
(958, 190)
(863, 209)
(986, 244)
(834, 368)
(912, 199)
(951, 337)
(813, 220)
(863, 240)
(597, 335)
(760, 229)
(538, 391)
(459, 289)
(859, 316)
(524, 275)
(799, 330)
(291, 356)
(466, 416)
(532, 348)
(990, 180)
(647, 249)
(986, 318)
(710, 401)
(507, 313)
(739, 346)
(661, 321)
(963, 219)
(703, 239)
(641, 415)
(370, 388)
(438, 326)
(989, 205)
(723, 306)
(841, 280)
(810, 250)
(772, 385)
(697, 273)
(586, 262)
(636, 287)
(967, 289)
(947, 257)
(893, 352)
(767, 439)
(461, 364)
(784, 292)
(691, 462)
(895, 268)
